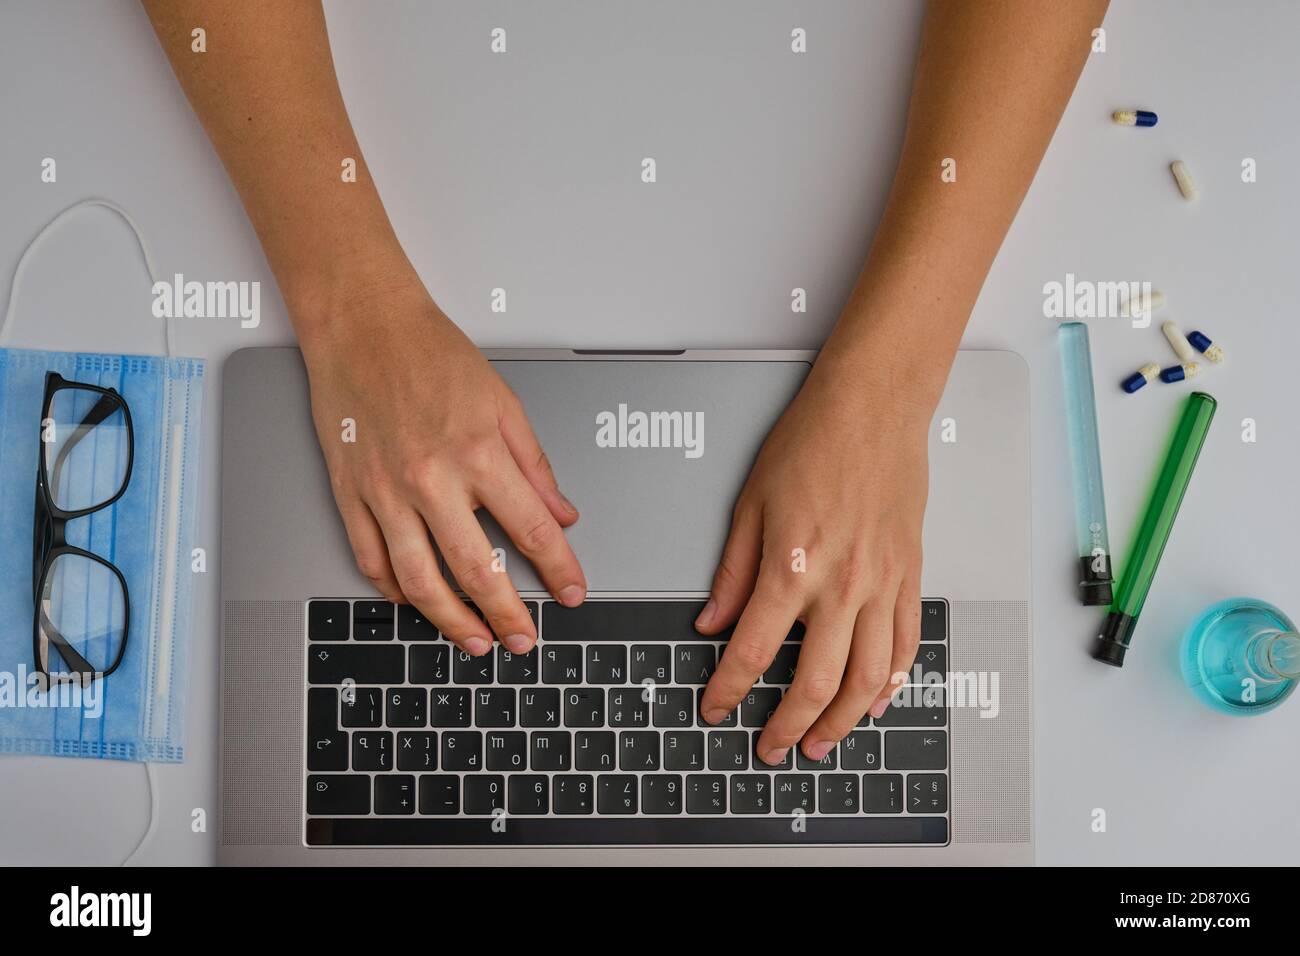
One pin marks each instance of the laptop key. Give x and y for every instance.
(933, 661)
(673, 707)
(882, 793)
(781, 670)
(661, 793)
(627, 621)
(485, 793)
(728, 750)
(573, 793)
(606, 664)
(693, 663)
(494, 707)
(860, 750)
(787, 762)
(413, 626)
(628, 708)
(359, 663)
(638, 750)
(651, 662)
(826, 763)
(529, 794)
(616, 794)
(706, 793)
(467, 669)
(338, 794)
(684, 750)
(327, 746)
(562, 665)
(751, 793)
(417, 751)
(362, 707)
(406, 706)
(550, 750)
(327, 620)
(731, 720)
(915, 707)
(395, 794)
(372, 621)
(796, 791)
(429, 663)
(507, 750)
(758, 705)
(517, 668)
(449, 707)
(439, 794)
(934, 620)
(595, 750)
(916, 750)
(372, 750)
(584, 707)
(838, 793)
(927, 793)
(539, 707)
(462, 750)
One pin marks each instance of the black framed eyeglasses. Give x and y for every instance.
(81, 605)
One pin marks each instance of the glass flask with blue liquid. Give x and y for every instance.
(1242, 656)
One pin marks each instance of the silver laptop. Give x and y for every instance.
(351, 733)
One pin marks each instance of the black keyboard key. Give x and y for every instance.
(781, 670)
(860, 750)
(362, 707)
(485, 793)
(796, 791)
(758, 705)
(507, 750)
(933, 661)
(550, 750)
(651, 662)
(517, 668)
(467, 669)
(606, 664)
(449, 707)
(462, 750)
(838, 793)
(628, 708)
(803, 763)
(916, 750)
(413, 626)
(673, 707)
(338, 794)
(694, 663)
(616, 794)
(731, 720)
(595, 750)
(751, 793)
(395, 794)
(706, 793)
(406, 707)
(584, 707)
(430, 663)
(915, 707)
(927, 793)
(372, 610)
(494, 707)
(573, 794)
(882, 793)
(787, 762)
(640, 621)
(661, 793)
(684, 750)
(327, 746)
(359, 663)
(562, 664)
(638, 750)
(539, 707)
(372, 621)
(440, 794)
(417, 751)
(372, 750)
(934, 620)
(529, 794)
(728, 750)
(327, 620)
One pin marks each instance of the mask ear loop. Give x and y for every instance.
(48, 227)
(167, 337)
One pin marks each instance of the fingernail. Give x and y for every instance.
(716, 715)
(820, 749)
(879, 708)
(518, 643)
(477, 646)
(572, 595)
(568, 505)
(774, 758)
(707, 614)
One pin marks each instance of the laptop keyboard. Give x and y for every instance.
(594, 738)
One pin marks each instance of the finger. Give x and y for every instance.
(367, 542)
(532, 461)
(733, 582)
(422, 583)
(867, 672)
(817, 679)
(907, 637)
(763, 626)
(468, 554)
(535, 532)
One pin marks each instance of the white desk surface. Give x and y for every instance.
(522, 171)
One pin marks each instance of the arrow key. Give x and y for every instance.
(327, 620)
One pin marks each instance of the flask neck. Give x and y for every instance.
(1274, 655)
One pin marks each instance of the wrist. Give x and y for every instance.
(333, 294)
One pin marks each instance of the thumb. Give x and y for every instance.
(733, 582)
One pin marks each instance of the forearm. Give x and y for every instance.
(991, 83)
(266, 93)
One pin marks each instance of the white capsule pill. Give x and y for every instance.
(1143, 305)
(1182, 348)
(1183, 177)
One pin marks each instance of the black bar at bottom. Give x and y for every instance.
(429, 832)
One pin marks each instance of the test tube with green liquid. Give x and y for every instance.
(1153, 533)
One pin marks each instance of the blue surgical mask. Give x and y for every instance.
(136, 711)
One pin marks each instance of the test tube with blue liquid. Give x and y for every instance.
(1085, 461)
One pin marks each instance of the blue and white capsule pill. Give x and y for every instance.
(1202, 343)
(1135, 118)
(1147, 373)
(1176, 373)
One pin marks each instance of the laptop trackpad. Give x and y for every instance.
(652, 454)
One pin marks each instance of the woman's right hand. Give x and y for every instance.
(437, 434)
